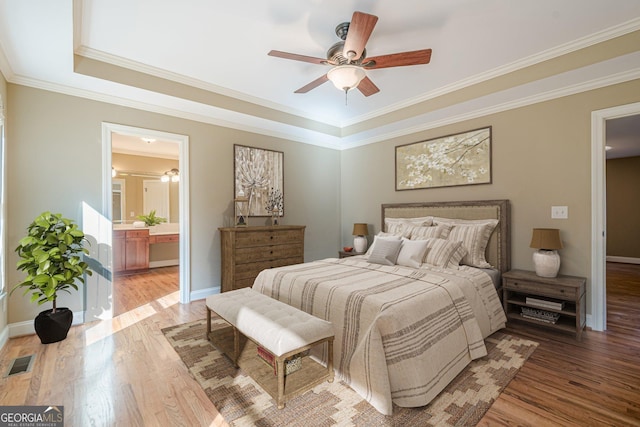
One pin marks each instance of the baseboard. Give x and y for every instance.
(26, 328)
(4, 337)
(623, 259)
(203, 293)
(164, 263)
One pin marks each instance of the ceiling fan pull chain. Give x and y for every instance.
(346, 92)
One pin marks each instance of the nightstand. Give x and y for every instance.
(558, 303)
(343, 254)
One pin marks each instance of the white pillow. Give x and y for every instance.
(412, 252)
(444, 253)
(381, 234)
(385, 251)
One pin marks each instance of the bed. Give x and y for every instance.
(405, 329)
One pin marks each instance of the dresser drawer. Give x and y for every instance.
(549, 290)
(260, 253)
(248, 273)
(261, 238)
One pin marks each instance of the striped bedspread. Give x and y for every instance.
(401, 334)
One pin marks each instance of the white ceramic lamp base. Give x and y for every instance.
(360, 243)
(547, 263)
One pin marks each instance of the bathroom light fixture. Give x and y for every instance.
(148, 140)
(113, 172)
(172, 175)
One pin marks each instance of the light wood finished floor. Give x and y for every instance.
(134, 290)
(123, 371)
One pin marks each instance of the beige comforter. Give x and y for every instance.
(401, 334)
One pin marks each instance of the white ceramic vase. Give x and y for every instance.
(547, 263)
(360, 243)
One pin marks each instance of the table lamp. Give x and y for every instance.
(360, 241)
(546, 259)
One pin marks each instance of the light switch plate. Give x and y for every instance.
(559, 212)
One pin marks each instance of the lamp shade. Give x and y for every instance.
(360, 229)
(346, 77)
(546, 238)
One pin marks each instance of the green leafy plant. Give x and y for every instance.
(52, 258)
(151, 219)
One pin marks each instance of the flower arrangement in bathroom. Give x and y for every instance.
(274, 205)
(151, 219)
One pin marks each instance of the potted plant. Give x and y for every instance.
(52, 258)
(151, 219)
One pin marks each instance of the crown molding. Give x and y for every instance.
(558, 51)
(118, 61)
(498, 108)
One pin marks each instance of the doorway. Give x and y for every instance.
(598, 319)
(110, 133)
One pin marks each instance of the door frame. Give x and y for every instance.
(598, 321)
(184, 203)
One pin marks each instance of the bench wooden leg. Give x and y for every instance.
(330, 359)
(280, 368)
(208, 323)
(236, 346)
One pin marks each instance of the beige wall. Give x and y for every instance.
(4, 283)
(127, 163)
(623, 205)
(541, 158)
(54, 162)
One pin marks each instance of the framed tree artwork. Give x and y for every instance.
(259, 174)
(460, 159)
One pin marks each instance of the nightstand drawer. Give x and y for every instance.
(550, 290)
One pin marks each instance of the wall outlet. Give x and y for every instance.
(559, 212)
(132, 214)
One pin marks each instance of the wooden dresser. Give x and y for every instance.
(246, 251)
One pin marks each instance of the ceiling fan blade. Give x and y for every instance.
(402, 59)
(367, 87)
(296, 57)
(314, 84)
(360, 29)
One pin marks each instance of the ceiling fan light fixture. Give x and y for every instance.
(346, 77)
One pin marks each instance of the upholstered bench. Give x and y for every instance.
(281, 329)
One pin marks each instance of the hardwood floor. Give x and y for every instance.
(134, 290)
(595, 382)
(123, 371)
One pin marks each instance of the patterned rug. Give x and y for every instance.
(243, 403)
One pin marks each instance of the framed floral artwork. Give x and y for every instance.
(460, 159)
(259, 175)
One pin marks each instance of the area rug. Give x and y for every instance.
(242, 402)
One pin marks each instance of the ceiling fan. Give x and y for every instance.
(349, 60)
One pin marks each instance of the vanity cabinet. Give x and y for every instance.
(130, 250)
(246, 251)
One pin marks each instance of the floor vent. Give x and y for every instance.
(21, 365)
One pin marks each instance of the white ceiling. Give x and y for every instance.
(218, 53)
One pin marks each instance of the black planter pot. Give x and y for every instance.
(53, 327)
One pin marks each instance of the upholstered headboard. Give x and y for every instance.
(498, 251)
